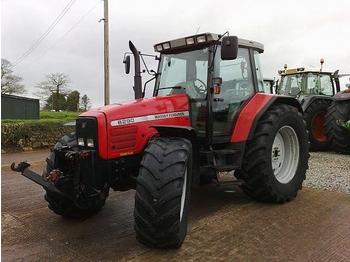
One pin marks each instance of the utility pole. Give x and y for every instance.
(106, 53)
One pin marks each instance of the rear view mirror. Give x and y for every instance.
(229, 47)
(127, 64)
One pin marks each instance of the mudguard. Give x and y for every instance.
(305, 101)
(252, 111)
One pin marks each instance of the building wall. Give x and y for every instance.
(17, 107)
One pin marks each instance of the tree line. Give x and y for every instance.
(53, 91)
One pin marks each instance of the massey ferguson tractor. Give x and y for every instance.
(315, 90)
(207, 114)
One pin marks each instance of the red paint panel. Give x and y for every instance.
(117, 141)
(247, 116)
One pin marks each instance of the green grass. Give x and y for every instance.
(46, 117)
(37, 121)
(58, 115)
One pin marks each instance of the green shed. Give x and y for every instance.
(18, 107)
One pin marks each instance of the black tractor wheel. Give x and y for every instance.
(62, 205)
(276, 158)
(163, 193)
(314, 117)
(338, 136)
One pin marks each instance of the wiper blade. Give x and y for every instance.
(171, 87)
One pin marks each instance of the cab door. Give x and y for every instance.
(234, 80)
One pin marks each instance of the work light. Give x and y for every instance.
(159, 48)
(201, 39)
(166, 45)
(189, 41)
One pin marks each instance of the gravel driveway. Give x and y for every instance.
(329, 171)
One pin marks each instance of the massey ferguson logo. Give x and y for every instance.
(83, 124)
(126, 121)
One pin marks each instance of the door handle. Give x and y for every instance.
(218, 99)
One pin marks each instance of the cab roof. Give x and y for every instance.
(201, 40)
(302, 70)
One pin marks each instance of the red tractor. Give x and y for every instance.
(207, 114)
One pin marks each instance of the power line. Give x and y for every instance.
(45, 34)
(70, 29)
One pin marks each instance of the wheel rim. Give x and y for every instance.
(285, 154)
(317, 127)
(183, 195)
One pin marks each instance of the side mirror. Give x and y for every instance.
(127, 64)
(229, 47)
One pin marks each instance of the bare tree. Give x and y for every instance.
(55, 83)
(10, 83)
(85, 103)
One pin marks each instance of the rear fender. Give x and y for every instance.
(308, 100)
(253, 110)
(277, 99)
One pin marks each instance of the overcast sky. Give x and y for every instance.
(294, 32)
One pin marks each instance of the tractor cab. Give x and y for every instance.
(300, 82)
(218, 74)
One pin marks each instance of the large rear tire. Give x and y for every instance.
(276, 158)
(314, 117)
(163, 193)
(338, 136)
(61, 205)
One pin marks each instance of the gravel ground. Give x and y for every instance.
(329, 171)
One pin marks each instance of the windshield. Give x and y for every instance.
(184, 73)
(306, 84)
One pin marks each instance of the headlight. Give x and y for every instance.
(81, 141)
(90, 142)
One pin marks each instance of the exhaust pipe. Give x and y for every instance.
(137, 77)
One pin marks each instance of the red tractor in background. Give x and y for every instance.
(208, 114)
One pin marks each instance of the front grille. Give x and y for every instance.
(86, 128)
(123, 137)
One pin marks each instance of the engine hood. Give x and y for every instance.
(142, 107)
(125, 128)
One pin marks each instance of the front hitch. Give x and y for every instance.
(23, 168)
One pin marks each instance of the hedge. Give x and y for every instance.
(28, 134)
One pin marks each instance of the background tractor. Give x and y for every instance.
(336, 118)
(208, 113)
(315, 90)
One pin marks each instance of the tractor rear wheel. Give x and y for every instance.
(62, 205)
(163, 193)
(276, 159)
(314, 117)
(338, 136)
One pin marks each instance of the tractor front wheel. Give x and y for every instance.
(276, 159)
(163, 193)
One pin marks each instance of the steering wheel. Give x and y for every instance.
(201, 89)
